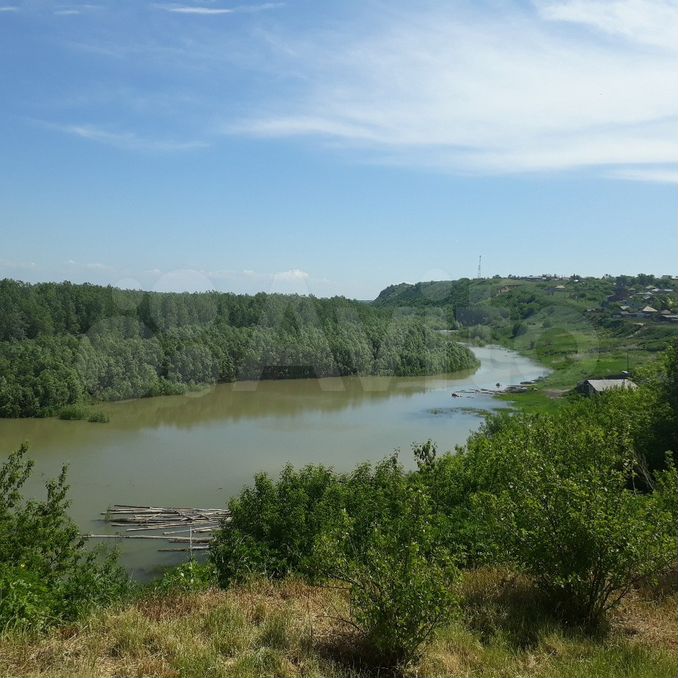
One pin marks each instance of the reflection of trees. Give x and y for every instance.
(277, 399)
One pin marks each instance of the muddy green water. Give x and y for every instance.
(200, 449)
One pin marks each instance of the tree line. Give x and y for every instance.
(62, 344)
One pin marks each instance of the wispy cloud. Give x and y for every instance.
(211, 11)
(660, 175)
(91, 266)
(652, 22)
(10, 264)
(486, 93)
(293, 275)
(127, 140)
(263, 7)
(193, 280)
(9, 9)
(207, 11)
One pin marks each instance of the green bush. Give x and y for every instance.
(274, 525)
(387, 551)
(559, 500)
(98, 417)
(25, 599)
(46, 574)
(374, 529)
(189, 576)
(73, 413)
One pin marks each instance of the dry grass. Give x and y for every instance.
(287, 629)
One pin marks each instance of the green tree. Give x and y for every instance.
(46, 574)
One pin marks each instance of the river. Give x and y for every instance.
(201, 448)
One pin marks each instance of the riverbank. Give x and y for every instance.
(290, 629)
(593, 357)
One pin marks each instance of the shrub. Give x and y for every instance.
(400, 581)
(559, 499)
(46, 575)
(273, 525)
(189, 576)
(73, 413)
(25, 599)
(98, 417)
(375, 529)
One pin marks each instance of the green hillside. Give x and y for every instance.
(580, 327)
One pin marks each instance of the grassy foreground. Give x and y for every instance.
(290, 629)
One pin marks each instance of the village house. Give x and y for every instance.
(592, 387)
(647, 312)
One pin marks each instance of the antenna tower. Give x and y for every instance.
(480, 260)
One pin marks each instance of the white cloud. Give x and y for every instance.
(197, 10)
(91, 266)
(489, 93)
(293, 275)
(127, 140)
(212, 11)
(659, 175)
(9, 9)
(251, 9)
(652, 22)
(184, 280)
(17, 265)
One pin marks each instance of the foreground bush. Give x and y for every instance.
(373, 529)
(189, 576)
(46, 575)
(274, 525)
(560, 502)
(387, 548)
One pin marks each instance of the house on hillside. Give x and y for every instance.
(592, 387)
(648, 312)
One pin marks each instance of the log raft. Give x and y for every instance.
(197, 525)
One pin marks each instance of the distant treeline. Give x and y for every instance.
(62, 343)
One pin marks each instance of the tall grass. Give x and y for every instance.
(288, 629)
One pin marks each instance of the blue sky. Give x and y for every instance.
(335, 147)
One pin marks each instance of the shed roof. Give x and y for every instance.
(608, 384)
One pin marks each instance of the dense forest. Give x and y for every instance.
(62, 343)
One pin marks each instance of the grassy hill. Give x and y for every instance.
(580, 327)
